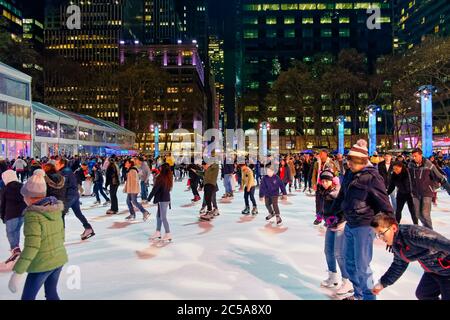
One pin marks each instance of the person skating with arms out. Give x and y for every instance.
(249, 184)
(269, 191)
(411, 243)
(44, 253)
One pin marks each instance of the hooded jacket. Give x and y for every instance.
(132, 185)
(11, 201)
(211, 174)
(70, 184)
(362, 196)
(44, 238)
(417, 243)
(55, 186)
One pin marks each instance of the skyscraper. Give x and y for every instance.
(414, 19)
(217, 64)
(95, 47)
(11, 17)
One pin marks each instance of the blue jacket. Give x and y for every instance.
(227, 169)
(70, 184)
(417, 243)
(362, 196)
(270, 186)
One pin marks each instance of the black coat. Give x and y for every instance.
(324, 202)
(361, 197)
(385, 173)
(56, 186)
(402, 181)
(11, 201)
(112, 176)
(160, 192)
(417, 243)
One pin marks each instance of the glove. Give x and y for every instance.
(331, 222)
(14, 282)
(377, 288)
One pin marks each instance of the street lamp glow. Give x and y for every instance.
(136, 41)
(179, 41)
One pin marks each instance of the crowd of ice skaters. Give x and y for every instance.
(357, 197)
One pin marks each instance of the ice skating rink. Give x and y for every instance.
(231, 257)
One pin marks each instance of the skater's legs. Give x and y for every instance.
(144, 190)
(252, 196)
(208, 195)
(268, 203)
(276, 209)
(162, 215)
(428, 288)
(13, 231)
(100, 188)
(96, 191)
(114, 200)
(412, 209)
(130, 205)
(51, 285)
(329, 250)
(194, 187)
(401, 200)
(214, 199)
(339, 252)
(136, 203)
(75, 205)
(350, 260)
(246, 195)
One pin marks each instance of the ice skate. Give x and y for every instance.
(279, 221)
(202, 211)
(109, 212)
(215, 212)
(331, 282)
(254, 211)
(167, 238)
(15, 253)
(246, 210)
(96, 203)
(156, 236)
(207, 217)
(196, 198)
(107, 203)
(88, 233)
(270, 216)
(131, 217)
(345, 288)
(145, 215)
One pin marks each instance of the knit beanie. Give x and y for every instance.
(359, 150)
(326, 175)
(35, 187)
(9, 176)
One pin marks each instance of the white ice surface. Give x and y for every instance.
(233, 257)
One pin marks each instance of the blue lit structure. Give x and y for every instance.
(340, 123)
(425, 93)
(264, 127)
(372, 113)
(155, 128)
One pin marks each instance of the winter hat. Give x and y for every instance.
(35, 187)
(9, 176)
(359, 150)
(326, 175)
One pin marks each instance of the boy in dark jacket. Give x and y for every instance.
(98, 185)
(269, 191)
(113, 182)
(401, 179)
(415, 243)
(11, 208)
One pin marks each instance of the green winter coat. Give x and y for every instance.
(211, 174)
(44, 239)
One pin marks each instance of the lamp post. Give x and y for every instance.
(340, 124)
(372, 113)
(425, 93)
(155, 128)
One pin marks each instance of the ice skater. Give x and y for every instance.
(249, 184)
(269, 191)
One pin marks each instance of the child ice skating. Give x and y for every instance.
(44, 253)
(327, 191)
(11, 208)
(269, 191)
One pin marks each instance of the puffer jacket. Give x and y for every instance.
(71, 184)
(132, 184)
(324, 202)
(424, 178)
(55, 186)
(44, 238)
(417, 243)
(362, 196)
